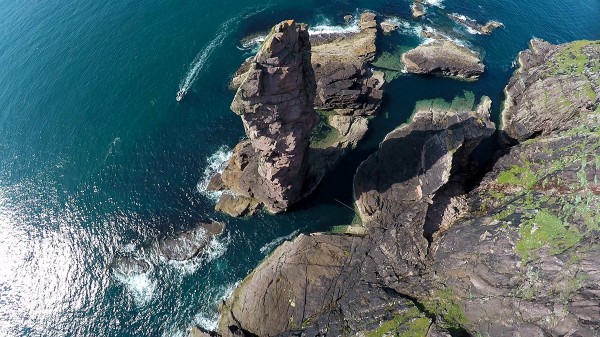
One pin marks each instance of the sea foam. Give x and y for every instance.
(267, 248)
(215, 164)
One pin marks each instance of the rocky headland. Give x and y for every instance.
(555, 88)
(449, 249)
(444, 58)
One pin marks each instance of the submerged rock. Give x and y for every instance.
(275, 102)
(475, 26)
(417, 9)
(443, 58)
(555, 88)
(189, 244)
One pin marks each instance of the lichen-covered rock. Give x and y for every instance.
(526, 259)
(443, 58)
(556, 87)
(275, 102)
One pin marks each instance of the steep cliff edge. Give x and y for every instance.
(347, 93)
(557, 87)
(275, 102)
(338, 284)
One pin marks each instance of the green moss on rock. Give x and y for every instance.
(545, 229)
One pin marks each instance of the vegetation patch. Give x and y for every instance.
(571, 60)
(444, 304)
(411, 323)
(518, 176)
(323, 134)
(545, 229)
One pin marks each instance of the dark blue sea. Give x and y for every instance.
(97, 158)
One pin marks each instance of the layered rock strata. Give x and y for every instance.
(443, 58)
(275, 101)
(347, 93)
(556, 87)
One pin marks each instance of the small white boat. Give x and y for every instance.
(180, 95)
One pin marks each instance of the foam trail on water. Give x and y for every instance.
(269, 246)
(216, 164)
(200, 60)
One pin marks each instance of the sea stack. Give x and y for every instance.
(275, 101)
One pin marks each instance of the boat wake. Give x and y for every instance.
(200, 60)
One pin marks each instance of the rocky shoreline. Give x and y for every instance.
(514, 253)
(443, 246)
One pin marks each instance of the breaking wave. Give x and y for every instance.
(269, 246)
(216, 164)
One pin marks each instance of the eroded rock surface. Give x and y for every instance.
(556, 87)
(444, 58)
(275, 101)
(347, 93)
(339, 284)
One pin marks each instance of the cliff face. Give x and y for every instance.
(516, 256)
(275, 102)
(555, 88)
(275, 96)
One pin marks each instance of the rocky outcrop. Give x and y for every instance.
(417, 9)
(338, 284)
(407, 186)
(388, 26)
(555, 88)
(443, 58)
(518, 255)
(344, 82)
(475, 26)
(347, 93)
(275, 102)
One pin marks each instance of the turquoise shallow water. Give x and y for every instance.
(97, 157)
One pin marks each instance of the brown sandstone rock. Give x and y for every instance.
(555, 88)
(275, 102)
(443, 58)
